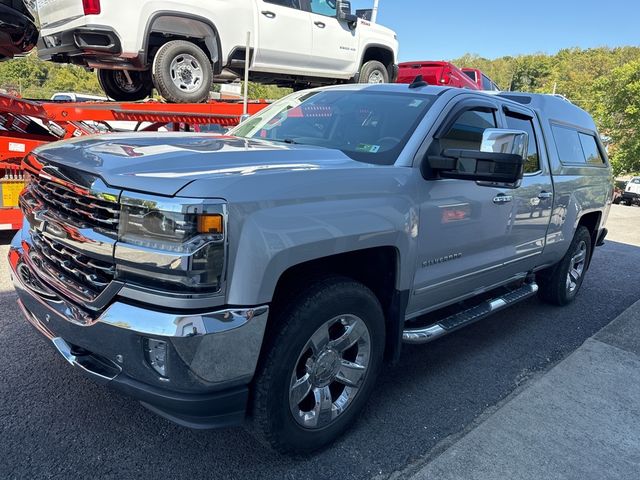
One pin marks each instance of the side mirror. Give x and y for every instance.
(499, 160)
(343, 12)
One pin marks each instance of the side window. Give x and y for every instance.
(590, 149)
(486, 83)
(285, 3)
(471, 74)
(532, 162)
(324, 7)
(568, 144)
(466, 132)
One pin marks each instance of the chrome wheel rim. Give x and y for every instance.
(576, 267)
(186, 73)
(330, 371)
(376, 77)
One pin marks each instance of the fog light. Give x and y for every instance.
(156, 352)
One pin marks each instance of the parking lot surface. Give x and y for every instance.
(55, 423)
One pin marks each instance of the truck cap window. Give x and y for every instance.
(590, 149)
(576, 147)
(368, 126)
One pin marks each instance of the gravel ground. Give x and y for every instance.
(56, 423)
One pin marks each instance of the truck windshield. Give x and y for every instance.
(368, 126)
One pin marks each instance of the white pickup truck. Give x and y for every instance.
(182, 46)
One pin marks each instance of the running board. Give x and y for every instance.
(467, 317)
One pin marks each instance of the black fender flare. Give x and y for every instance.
(176, 23)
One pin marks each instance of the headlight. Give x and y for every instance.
(172, 244)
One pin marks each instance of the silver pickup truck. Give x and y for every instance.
(268, 274)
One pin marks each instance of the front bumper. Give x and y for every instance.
(211, 357)
(631, 196)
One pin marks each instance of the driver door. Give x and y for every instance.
(463, 224)
(334, 44)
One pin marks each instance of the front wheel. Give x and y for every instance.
(374, 72)
(124, 86)
(321, 366)
(182, 72)
(560, 284)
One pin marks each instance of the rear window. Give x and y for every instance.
(576, 147)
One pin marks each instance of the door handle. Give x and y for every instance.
(319, 24)
(545, 195)
(268, 14)
(502, 198)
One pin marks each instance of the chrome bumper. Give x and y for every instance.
(206, 352)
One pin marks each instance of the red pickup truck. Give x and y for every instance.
(445, 73)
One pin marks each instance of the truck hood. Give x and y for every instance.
(167, 162)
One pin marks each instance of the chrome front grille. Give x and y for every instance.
(77, 205)
(83, 277)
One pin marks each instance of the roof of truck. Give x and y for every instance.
(552, 107)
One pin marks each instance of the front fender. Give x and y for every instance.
(275, 239)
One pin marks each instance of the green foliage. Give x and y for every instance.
(258, 91)
(603, 81)
(619, 115)
(33, 78)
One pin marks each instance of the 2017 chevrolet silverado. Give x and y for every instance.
(270, 273)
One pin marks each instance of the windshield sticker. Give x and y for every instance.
(416, 102)
(365, 147)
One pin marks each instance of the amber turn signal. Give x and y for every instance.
(210, 223)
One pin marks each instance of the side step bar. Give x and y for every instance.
(467, 317)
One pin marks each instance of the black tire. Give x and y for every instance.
(182, 72)
(373, 70)
(116, 86)
(617, 200)
(555, 285)
(274, 422)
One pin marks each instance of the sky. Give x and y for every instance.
(446, 29)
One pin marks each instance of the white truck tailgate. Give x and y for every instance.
(57, 12)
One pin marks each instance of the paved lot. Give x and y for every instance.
(579, 421)
(55, 423)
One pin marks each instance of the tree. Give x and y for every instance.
(619, 115)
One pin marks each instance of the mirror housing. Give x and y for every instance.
(499, 160)
(343, 12)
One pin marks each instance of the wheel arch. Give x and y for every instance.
(591, 221)
(381, 53)
(164, 26)
(378, 268)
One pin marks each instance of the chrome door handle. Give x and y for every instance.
(268, 14)
(502, 198)
(545, 195)
(319, 24)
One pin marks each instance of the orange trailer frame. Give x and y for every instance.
(27, 124)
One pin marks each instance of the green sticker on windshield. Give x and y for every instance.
(365, 147)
